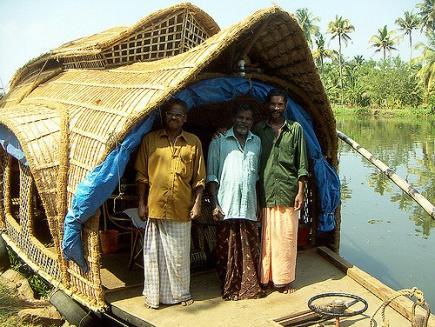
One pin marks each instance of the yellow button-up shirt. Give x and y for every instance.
(172, 172)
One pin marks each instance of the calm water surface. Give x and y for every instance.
(383, 230)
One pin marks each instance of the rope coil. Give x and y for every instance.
(417, 294)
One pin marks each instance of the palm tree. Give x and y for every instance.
(308, 24)
(407, 24)
(359, 59)
(340, 28)
(384, 40)
(427, 15)
(321, 52)
(426, 74)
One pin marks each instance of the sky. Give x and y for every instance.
(29, 28)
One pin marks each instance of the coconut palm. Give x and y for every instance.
(407, 24)
(340, 28)
(307, 22)
(383, 41)
(359, 59)
(427, 15)
(426, 74)
(321, 52)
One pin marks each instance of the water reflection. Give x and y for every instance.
(405, 146)
(383, 230)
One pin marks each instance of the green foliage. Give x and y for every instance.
(387, 85)
(39, 285)
(384, 85)
(391, 84)
(426, 73)
(321, 52)
(407, 24)
(427, 15)
(308, 23)
(341, 28)
(383, 41)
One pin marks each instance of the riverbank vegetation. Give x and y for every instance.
(389, 86)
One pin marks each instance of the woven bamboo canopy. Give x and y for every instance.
(71, 106)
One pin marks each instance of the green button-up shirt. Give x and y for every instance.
(283, 161)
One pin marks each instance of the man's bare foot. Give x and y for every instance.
(265, 287)
(288, 289)
(150, 307)
(187, 302)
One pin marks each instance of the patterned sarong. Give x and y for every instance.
(166, 262)
(238, 255)
(279, 246)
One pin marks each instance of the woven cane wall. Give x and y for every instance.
(37, 128)
(21, 233)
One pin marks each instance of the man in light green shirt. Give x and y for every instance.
(232, 174)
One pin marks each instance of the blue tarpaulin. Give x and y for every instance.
(103, 179)
(10, 144)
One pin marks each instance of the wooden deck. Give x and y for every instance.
(315, 275)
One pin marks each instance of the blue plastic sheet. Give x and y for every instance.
(10, 144)
(98, 185)
(102, 180)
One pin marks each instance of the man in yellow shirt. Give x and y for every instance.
(170, 177)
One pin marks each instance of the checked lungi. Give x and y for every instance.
(166, 262)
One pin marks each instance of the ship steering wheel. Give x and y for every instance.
(338, 306)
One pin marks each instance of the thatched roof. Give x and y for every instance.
(96, 43)
(104, 104)
(93, 49)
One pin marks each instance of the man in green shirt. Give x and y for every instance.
(283, 169)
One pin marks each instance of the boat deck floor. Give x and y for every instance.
(314, 275)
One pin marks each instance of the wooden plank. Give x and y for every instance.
(129, 318)
(402, 305)
(298, 318)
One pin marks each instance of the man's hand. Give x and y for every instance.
(219, 132)
(299, 199)
(196, 211)
(218, 214)
(142, 211)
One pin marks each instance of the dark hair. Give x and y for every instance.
(173, 101)
(276, 93)
(243, 107)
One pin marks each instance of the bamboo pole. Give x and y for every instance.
(391, 174)
(61, 185)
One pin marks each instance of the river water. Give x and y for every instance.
(383, 230)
